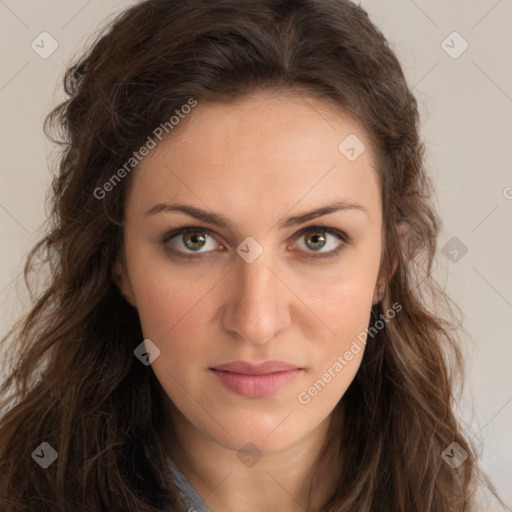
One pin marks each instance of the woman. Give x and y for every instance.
(240, 313)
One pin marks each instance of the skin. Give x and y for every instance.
(255, 161)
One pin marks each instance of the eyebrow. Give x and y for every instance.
(223, 222)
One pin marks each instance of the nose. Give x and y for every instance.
(256, 305)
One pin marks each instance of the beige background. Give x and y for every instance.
(466, 104)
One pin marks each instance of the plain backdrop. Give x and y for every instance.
(457, 58)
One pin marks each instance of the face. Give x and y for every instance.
(265, 272)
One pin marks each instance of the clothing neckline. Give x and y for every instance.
(190, 494)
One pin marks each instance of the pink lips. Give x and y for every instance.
(255, 379)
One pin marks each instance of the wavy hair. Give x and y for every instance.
(74, 381)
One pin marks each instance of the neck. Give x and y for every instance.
(303, 475)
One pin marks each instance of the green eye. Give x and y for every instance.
(318, 238)
(190, 238)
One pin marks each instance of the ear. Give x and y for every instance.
(122, 281)
(402, 229)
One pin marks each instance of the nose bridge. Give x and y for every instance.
(256, 307)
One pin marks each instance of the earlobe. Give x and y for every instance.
(120, 278)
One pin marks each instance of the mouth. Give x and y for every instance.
(256, 380)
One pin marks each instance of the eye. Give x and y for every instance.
(322, 242)
(190, 239)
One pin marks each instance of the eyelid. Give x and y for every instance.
(343, 237)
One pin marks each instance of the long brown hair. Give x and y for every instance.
(75, 383)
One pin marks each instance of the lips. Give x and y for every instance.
(256, 380)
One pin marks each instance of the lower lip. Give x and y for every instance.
(255, 385)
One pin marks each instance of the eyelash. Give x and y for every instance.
(342, 236)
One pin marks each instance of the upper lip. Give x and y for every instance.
(248, 367)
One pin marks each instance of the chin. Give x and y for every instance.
(250, 431)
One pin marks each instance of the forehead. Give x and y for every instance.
(266, 150)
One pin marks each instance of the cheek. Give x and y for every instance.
(338, 353)
(165, 298)
(343, 299)
(346, 301)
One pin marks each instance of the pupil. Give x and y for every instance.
(194, 239)
(316, 239)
